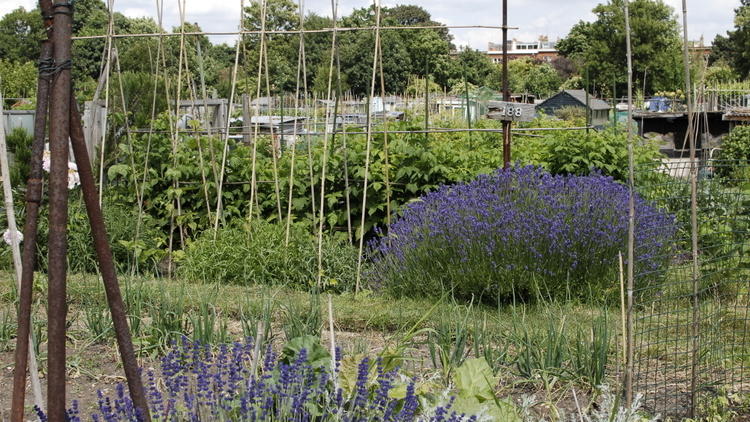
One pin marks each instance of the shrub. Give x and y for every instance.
(735, 154)
(521, 232)
(256, 254)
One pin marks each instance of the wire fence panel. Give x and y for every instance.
(691, 338)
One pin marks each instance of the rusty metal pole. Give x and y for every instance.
(58, 210)
(506, 90)
(33, 199)
(106, 263)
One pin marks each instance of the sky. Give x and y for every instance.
(533, 18)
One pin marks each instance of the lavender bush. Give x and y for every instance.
(200, 383)
(520, 232)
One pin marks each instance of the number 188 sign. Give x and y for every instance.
(516, 112)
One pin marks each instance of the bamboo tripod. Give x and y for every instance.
(64, 124)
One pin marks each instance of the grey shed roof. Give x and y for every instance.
(578, 95)
(594, 103)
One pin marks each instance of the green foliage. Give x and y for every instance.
(19, 144)
(735, 149)
(600, 45)
(475, 387)
(580, 353)
(578, 152)
(720, 73)
(207, 326)
(317, 356)
(448, 342)
(7, 328)
(132, 249)
(20, 34)
(571, 113)
(734, 47)
(17, 78)
(256, 254)
(301, 320)
(97, 321)
(540, 79)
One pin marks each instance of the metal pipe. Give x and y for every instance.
(507, 139)
(58, 210)
(106, 263)
(28, 258)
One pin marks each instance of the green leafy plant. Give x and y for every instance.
(19, 144)
(735, 156)
(475, 392)
(256, 253)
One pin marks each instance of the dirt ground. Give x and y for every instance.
(90, 368)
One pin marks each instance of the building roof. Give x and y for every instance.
(737, 114)
(580, 96)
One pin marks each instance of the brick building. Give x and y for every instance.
(542, 50)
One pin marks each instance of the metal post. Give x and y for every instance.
(506, 91)
(33, 199)
(466, 94)
(631, 219)
(588, 106)
(106, 264)
(58, 210)
(693, 214)
(426, 99)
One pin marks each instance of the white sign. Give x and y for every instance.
(516, 112)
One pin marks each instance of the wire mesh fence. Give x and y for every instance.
(690, 312)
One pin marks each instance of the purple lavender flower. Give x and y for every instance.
(203, 383)
(518, 232)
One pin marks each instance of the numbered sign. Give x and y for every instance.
(516, 112)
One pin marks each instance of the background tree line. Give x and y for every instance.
(592, 54)
(408, 55)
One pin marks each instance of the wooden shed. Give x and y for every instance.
(598, 109)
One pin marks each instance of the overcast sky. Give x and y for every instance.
(533, 17)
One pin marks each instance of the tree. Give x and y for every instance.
(599, 46)
(405, 53)
(526, 76)
(734, 48)
(282, 49)
(17, 80)
(476, 68)
(20, 34)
